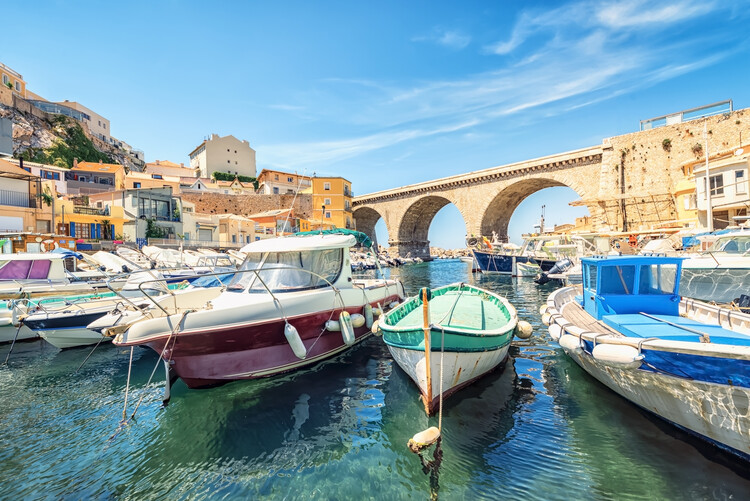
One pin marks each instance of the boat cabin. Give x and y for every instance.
(619, 285)
(295, 263)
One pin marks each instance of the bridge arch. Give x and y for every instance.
(366, 218)
(414, 228)
(498, 212)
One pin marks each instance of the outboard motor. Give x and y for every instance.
(560, 267)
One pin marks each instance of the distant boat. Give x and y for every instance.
(472, 327)
(686, 361)
(527, 270)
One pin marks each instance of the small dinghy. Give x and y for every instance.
(686, 361)
(468, 330)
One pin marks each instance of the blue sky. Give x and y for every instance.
(384, 93)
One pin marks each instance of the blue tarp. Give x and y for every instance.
(67, 253)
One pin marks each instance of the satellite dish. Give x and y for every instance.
(738, 152)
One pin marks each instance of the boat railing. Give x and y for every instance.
(256, 271)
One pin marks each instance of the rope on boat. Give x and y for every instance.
(13, 343)
(90, 353)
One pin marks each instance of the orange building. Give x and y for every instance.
(335, 194)
(91, 177)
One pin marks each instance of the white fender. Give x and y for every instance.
(347, 330)
(555, 331)
(523, 330)
(619, 356)
(569, 342)
(358, 320)
(292, 337)
(393, 305)
(333, 326)
(376, 328)
(543, 309)
(546, 318)
(368, 316)
(377, 311)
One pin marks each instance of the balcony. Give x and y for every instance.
(17, 199)
(91, 211)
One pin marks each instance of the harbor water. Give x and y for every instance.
(539, 429)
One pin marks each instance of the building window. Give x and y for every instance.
(717, 185)
(156, 176)
(326, 201)
(328, 215)
(347, 205)
(136, 185)
(18, 86)
(82, 230)
(347, 191)
(740, 182)
(275, 177)
(289, 180)
(5, 79)
(234, 237)
(275, 190)
(327, 186)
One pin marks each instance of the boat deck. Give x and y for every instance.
(461, 310)
(667, 327)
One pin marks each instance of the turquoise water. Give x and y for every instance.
(540, 429)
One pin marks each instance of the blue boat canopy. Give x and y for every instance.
(617, 285)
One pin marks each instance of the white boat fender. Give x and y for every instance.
(295, 342)
(377, 311)
(618, 356)
(568, 342)
(375, 329)
(358, 320)
(546, 318)
(393, 305)
(523, 330)
(347, 330)
(368, 315)
(333, 326)
(543, 309)
(555, 331)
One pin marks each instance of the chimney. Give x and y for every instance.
(100, 162)
(75, 162)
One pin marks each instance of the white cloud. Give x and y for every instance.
(452, 39)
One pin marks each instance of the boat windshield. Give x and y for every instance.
(288, 271)
(732, 245)
(23, 270)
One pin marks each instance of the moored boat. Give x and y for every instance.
(446, 338)
(681, 359)
(292, 303)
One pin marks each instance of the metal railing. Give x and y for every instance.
(686, 115)
(17, 199)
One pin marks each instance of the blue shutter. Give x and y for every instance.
(112, 232)
(98, 231)
(72, 229)
(92, 230)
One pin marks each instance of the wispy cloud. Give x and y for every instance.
(452, 39)
(563, 59)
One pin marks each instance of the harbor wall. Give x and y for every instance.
(246, 205)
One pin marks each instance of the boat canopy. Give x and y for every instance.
(616, 285)
(362, 238)
(301, 243)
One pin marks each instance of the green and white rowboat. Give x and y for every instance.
(468, 328)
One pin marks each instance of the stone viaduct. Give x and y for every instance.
(626, 183)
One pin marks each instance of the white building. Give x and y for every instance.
(98, 125)
(728, 178)
(223, 154)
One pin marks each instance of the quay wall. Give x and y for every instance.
(245, 205)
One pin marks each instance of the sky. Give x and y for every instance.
(384, 93)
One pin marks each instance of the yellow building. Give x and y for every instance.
(135, 180)
(88, 223)
(335, 194)
(12, 80)
(92, 177)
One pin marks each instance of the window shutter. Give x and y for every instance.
(72, 229)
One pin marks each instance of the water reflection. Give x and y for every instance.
(538, 429)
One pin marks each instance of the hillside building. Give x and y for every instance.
(223, 154)
(274, 182)
(332, 202)
(12, 80)
(728, 181)
(21, 206)
(86, 178)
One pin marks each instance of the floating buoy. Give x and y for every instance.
(543, 309)
(423, 439)
(358, 320)
(546, 318)
(619, 356)
(292, 337)
(555, 331)
(347, 330)
(368, 315)
(523, 330)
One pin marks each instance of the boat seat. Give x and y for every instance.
(637, 325)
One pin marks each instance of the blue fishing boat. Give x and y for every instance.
(684, 360)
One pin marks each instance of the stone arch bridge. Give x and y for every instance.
(486, 199)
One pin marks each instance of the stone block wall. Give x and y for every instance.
(245, 205)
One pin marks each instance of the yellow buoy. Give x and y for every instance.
(523, 330)
(424, 439)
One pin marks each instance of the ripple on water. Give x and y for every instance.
(540, 429)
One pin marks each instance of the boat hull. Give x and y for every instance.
(214, 356)
(72, 337)
(458, 369)
(8, 333)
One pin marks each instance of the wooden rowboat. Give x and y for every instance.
(468, 330)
